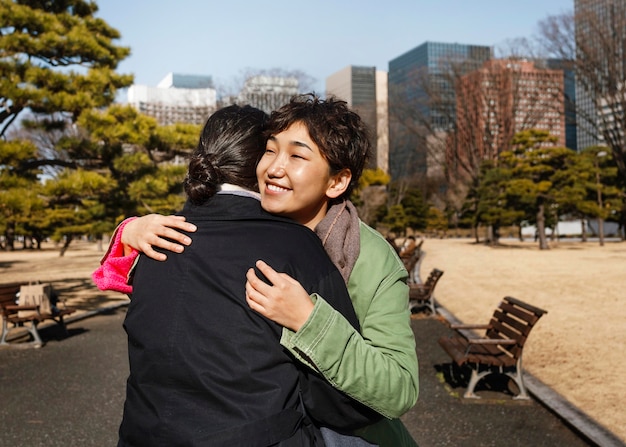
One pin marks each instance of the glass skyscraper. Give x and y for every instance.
(422, 101)
(569, 101)
(600, 30)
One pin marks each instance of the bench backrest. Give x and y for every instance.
(432, 279)
(513, 319)
(410, 261)
(8, 292)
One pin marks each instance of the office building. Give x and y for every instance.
(268, 93)
(601, 47)
(382, 117)
(611, 112)
(422, 104)
(177, 80)
(176, 99)
(357, 86)
(502, 98)
(569, 100)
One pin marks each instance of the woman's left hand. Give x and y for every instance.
(156, 230)
(284, 301)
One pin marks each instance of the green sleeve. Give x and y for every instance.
(377, 367)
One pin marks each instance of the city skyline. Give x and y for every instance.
(224, 40)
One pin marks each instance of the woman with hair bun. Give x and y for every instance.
(205, 369)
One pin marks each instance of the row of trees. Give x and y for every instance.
(534, 183)
(537, 184)
(77, 162)
(72, 161)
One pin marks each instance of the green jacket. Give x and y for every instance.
(379, 366)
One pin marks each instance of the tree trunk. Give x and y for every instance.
(9, 233)
(68, 241)
(601, 231)
(541, 228)
(489, 236)
(495, 235)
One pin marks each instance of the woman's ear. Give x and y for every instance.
(339, 183)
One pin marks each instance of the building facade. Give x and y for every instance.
(382, 117)
(267, 93)
(177, 99)
(569, 100)
(506, 96)
(422, 103)
(357, 86)
(601, 51)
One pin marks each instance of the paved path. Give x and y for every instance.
(71, 392)
(68, 393)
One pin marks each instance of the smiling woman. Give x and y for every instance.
(294, 177)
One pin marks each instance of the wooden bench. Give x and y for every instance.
(499, 351)
(412, 264)
(421, 295)
(11, 317)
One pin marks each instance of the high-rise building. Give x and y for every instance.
(177, 80)
(503, 97)
(177, 99)
(382, 126)
(357, 86)
(422, 103)
(601, 43)
(267, 93)
(569, 101)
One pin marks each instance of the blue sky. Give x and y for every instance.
(222, 39)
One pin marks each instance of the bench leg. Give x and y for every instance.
(431, 305)
(474, 379)
(32, 330)
(59, 320)
(37, 343)
(5, 332)
(415, 305)
(519, 380)
(515, 375)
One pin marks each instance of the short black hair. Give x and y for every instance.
(341, 135)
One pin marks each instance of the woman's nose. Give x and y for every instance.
(276, 170)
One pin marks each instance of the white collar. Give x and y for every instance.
(229, 188)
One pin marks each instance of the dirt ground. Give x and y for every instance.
(575, 348)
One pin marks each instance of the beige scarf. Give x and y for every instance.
(339, 232)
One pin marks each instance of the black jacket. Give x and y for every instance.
(205, 368)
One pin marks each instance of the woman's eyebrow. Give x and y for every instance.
(291, 143)
(301, 144)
